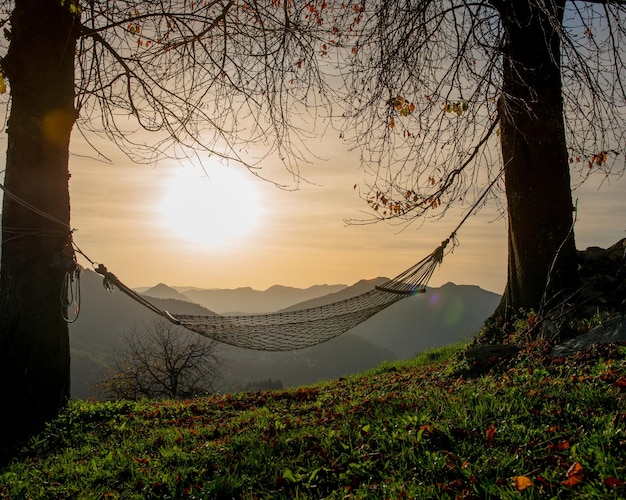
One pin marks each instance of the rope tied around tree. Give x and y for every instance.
(65, 259)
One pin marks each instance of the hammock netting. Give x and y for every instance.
(292, 330)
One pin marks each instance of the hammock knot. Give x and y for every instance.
(107, 282)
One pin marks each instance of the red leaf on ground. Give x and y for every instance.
(543, 481)
(490, 435)
(455, 484)
(563, 445)
(613, 482)
(575, 470)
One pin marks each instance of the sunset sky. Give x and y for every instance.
(170, 223)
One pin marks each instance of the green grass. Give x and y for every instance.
(430, 427)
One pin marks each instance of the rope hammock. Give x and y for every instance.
(292, 330)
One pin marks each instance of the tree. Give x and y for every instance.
(447, 94)
(433, 86)
(207, 77)
(161, 361)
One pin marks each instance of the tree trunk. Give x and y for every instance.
(36, 255)
(542, 252)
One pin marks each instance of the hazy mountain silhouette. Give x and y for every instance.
(358, 288)
(246, 300)
(162, 291)
(438, 317)
(104, 318)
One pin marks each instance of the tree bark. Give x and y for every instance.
(36, 250)
(542, 251)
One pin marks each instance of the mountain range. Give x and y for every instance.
(443, 315)
(244, 300)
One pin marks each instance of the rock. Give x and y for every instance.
(617, 251)
(603, 278)
(599, 293)
(595, 254)
(609, 332)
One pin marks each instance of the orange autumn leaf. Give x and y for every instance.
(572, 481)
(574, 475)
(575, 470)
(490, 434)
(522, 482)
(563, 445)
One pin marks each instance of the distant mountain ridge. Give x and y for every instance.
(163, 291)
(243, 300)
(362, 286)
(440, 316)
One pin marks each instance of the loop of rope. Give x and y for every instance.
(70, 294)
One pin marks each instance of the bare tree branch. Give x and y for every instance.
(161, 361)
(435, 55)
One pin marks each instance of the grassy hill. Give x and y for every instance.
(431, 427)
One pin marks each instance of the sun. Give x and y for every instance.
(210, 207)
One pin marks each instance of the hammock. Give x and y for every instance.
(292, 330)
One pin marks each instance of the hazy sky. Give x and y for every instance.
(172, 224)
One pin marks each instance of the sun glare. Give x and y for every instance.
(210, 208)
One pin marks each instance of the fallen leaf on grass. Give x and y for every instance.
(613, 482)
(543, 481)
(572, 481)
(562, 445)
(490, 435)
(574, 475)
(522, 482)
